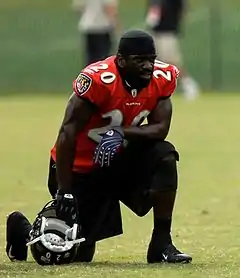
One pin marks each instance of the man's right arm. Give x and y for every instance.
(77, 114)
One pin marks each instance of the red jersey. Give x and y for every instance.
(101, 84)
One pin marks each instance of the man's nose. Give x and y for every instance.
(148, 65)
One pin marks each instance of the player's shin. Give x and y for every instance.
(163, 197)
(162, 217)
(161, 248)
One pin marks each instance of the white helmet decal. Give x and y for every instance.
(54, 242)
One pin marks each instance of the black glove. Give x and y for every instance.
(66, 207)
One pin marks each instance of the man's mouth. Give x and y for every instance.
(146, 74)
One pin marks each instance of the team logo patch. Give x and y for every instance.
(83, 83)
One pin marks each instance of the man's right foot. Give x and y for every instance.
(17, 232)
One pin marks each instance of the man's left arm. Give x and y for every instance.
(158, 123)
(153, 17)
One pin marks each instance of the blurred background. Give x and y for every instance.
(41, 50)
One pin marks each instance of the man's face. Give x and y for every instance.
(140, 66)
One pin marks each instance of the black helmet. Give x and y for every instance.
(52, 241)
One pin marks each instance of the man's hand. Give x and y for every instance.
(153, 16)
(66, 207)
(111, 143)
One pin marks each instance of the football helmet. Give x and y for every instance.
(52, 241)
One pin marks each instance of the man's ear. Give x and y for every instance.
(121, 61)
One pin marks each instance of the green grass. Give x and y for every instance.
(206, 219)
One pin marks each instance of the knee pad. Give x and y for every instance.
(163, 149)
(165, 177)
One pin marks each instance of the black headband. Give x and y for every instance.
(136, 42)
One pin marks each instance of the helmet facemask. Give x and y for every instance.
(52, 241)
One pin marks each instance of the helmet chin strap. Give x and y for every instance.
(70, 233)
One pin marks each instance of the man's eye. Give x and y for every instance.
(139, 60)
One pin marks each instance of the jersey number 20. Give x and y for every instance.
(116, 116)
(116, 119)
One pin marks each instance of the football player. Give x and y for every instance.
(105, 154)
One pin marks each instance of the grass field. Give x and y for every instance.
(206, 220)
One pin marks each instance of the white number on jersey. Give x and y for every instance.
(116, 119)
(159, 72)
(106, 77)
